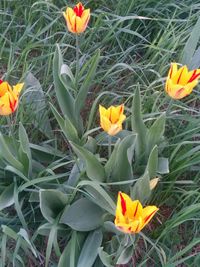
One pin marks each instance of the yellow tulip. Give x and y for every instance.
(9, 97)
(111, 119)
(180, 82)
(77, 18)
(131, 217)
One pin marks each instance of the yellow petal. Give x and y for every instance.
(70, 18)
(4, 87)
(17, 89)
(176, 78)
(5, 107)
(85, 18)
(114, 129)
(115, 113)
(105, 123)
(172, 70)
(148, 213)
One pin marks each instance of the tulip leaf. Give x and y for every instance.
(24, 150)
(36, 105)
(141, 189)
(152, 164)
(66, 126)
(72, 251)
(99, 196)
(89, 251)
(8, 156)
(126, 255)
(138, 125)
(83, 215)
(155, 133)
(190, 46)
(119, 166)
(163, 165)
(94, 169)
(82, 93)
(65, 99)
(52, 202)
(105, 257)
(7, 197)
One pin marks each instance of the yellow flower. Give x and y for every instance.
(77, 18)
(180, 83)
(131, 217)
(9, 97)
(111, 119)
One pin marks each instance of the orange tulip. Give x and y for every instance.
(131, 217)
(77, 18)
(180, 83)
(9, 97)
(111, 119)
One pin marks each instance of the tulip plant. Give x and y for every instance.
(102, 204)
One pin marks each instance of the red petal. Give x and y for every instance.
(123, 204)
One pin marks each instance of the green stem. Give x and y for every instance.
(168, 111)
(11, 131)
(109, 146)
(77, 60)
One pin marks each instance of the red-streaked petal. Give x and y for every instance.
(123, 204)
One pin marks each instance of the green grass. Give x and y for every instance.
(138, 40)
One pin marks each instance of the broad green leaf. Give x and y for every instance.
(99, 195)
(70, 255)
(24, 150)
(83, 215)
(152, 164)
(7, 197)
(137, 124)
(105, 258)
(191, 45)
(163, 165)
(155, 133)
(8, 156)
(89, 251)
(36, 105)
(126, 255)
(82, 93)
(141, 189)
(95, 171)
(66, 126)
(52, 202)
(65, 99)
(119, 166)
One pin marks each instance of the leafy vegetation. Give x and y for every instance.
(61, 173)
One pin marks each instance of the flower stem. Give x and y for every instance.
(77, 60)
(109, 146)
(11, 131)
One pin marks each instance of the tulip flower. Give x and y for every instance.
(77, 18)
(180, 83)
(111, 119)
(131, 217)
(9, 97)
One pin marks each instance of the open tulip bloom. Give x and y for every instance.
(9, 97)
(180, 83)
(131, 217)
(111, 119)
(77, 18)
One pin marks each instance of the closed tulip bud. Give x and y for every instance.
(111, 119)
(153, 182)
(131, 217)
(77, 18)
(180, 83)
(9, 97)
